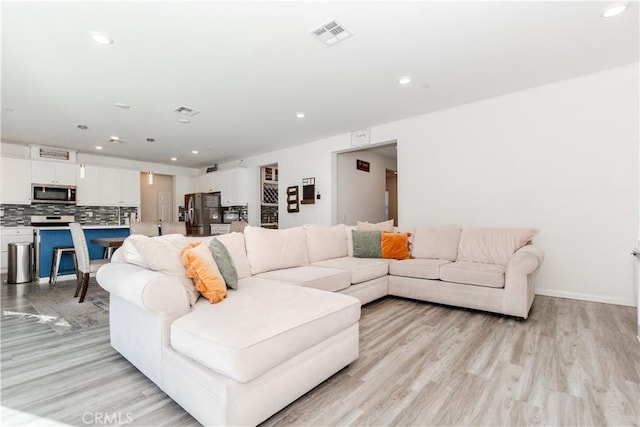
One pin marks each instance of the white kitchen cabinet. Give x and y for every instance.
(234, 187)
(53, 173)
(129, 188)
(88, 188)
(16, 181)
(119, 187)
(210, 182)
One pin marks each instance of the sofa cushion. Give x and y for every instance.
(264, 335)
(420, 268)
(275, 249)
(326, 242)
(473, 273)
(367, 244)
(436, 242)
(234, 242)
(350, 229)
(361, 269)
(492, 245)
(203, 270)
(379, 226)
(224, 262)
(312, 276)
(395, 245)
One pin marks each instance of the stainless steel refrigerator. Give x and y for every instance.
(202, 210)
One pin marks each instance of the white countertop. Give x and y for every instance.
(86, 227)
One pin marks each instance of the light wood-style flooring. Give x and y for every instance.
(571, 363)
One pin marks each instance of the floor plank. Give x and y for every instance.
(572, 363)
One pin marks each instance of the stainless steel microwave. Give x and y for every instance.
(53, 194)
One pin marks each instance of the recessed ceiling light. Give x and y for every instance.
(300, 115)
(614, 9)
(150, 139)
(194, 151)
(121, 105)
(115, 138)
(184, 121)
(173, 159)
(100, 37)
(404, 80)
(98, 147)
(83, 127)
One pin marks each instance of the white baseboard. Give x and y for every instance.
(586, 297)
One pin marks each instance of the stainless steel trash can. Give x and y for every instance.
(20, 262)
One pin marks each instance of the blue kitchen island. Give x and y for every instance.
(49, 237)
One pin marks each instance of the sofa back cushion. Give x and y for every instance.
(275, 249)
(235, 244)
(492, 245)
(326, 242)
(436, 242)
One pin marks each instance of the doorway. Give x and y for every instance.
(363, 191)
(269, 196)
(156, 199)
(391, 196)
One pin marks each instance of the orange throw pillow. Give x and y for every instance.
(205, 273)
(395, 245)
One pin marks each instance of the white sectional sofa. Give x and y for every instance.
(293, 321)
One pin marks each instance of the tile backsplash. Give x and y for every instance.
(20, 215)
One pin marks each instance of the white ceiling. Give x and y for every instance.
(250, 66)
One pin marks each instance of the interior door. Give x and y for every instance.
(164, 206)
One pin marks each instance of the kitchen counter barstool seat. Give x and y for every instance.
(58, 252)
(86, 265)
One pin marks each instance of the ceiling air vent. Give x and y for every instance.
(331, 33)
(186, 111)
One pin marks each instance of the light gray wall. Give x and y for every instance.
(561, 157)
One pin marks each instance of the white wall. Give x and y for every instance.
(360, 195)
(561, 157)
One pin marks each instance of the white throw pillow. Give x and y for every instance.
(131, 253)
(234, 242)
(162, 253)
(275, 249)
(326, 242)
(379, 226)
(492, 245)
(436, 242)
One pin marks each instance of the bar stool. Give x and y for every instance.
(58, 251)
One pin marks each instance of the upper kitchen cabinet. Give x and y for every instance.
(119, 187)
(53, 173)
(130, 188)
(209, 182)
(88, 188)
(234, 187)
(16, 181)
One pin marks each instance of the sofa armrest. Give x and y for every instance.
(525, 260)
(151, 290)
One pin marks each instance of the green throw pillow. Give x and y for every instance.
(366, 244)
(225, 263)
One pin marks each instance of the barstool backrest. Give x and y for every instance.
(173, 228)
(80, 245)
(148, 228)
